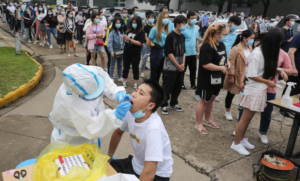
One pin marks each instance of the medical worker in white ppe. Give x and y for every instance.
(79, 114)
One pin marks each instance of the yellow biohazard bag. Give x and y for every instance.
(45, 168)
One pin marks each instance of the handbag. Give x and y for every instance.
(60, 26)
(119, 54)
(100, 42)
(216, 78)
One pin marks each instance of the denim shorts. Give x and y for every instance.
(97, 48)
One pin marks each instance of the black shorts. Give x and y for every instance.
(125, 166)
(206, 95)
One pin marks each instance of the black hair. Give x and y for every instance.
(148, 13)
(190, 14)
(236, 20)
(287, 19)
(111, 10)
(139, 24)
(117, 15)
(277, 15)
(69, 11)
(179, 19)
(270, 46)
(240, 37)
(114, 25)
(93, 16)
(124, 9)
(162, 8)
(157, 94)
(135, 7)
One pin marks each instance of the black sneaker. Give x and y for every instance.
(176, 108)
(184, 88)
(164, 111)
(194, 87)
(146, 68)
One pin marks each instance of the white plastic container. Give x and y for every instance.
(120, 177)
(286, 99)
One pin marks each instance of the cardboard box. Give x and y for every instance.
(120, 177)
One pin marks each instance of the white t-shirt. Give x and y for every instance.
(103, 22)
(255, 68)
(11, 9)
(247, 53)
(150, 142)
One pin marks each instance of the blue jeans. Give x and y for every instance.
(112, 66)
(28, 33)
(12, 23)
(145, 54)
(203, 30)
(265, 117)
(49, 31)
(23, 27)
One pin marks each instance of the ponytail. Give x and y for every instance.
(211, 31)
(240, 37)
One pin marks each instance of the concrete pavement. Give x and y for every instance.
(193, 153)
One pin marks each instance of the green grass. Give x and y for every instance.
(52, 6)
(15, 70)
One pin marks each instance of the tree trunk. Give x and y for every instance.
(220, 8)
(229, 5)
(266, 7)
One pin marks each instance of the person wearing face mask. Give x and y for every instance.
(18, 19)
(242, 16)
(192, 49)
(69, 31)
(263, 27)
(79, 20)
(57, 10)
(115, 43)
(288, 33)
(235, 77)
(124, 16)
(112, 15)
(4, 9)
(250, 19)
(212, 18)
(40, 15)
(213, 63)
(146, 50)
(233, 24)
(204, 24)
(28, 20)
(278, 19)
(174, 65)
(132, 50)
(50, 22)
(135, 12)
(152, 158)
(11, 12)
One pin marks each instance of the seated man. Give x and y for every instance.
(152, 158)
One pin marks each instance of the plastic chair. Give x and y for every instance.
(26, 163)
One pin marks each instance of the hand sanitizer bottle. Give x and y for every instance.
(286, 99)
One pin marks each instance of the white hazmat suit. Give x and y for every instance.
(78, 113)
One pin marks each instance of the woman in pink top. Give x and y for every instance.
(60, 27)
(95, 34)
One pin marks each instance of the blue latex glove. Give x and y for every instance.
(122, 110)
(121, 96)
(114, 158)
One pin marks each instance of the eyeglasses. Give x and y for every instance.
(224, 34)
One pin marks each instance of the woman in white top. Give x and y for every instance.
(40, 14)
(69, 30)
(260, 72)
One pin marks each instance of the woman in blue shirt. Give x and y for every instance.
(156, 43)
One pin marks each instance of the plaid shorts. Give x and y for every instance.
(256, 102)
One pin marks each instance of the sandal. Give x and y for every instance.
(210, 124)
(76, 55)
(201, 130)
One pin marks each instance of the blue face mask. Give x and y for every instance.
(63, 13)
(282, 17)
(249, 43)
(101, 17)
(134, 26)
(27, 10)
(231, 15)
(220, 17)
(44, 7)
(182, 28)
(140, 113)
(124, 15)
(165, 22)
(15, 4)
(97, 21)
(80, 13)
(49, 13)
(48, 6)
(59, 8)
(70, 16)
(118, 26)
(256, 21)
(277, 19)
(233, 27)
(293, 23)
(242, 14)
(223, 39)
(19, 9)
(136, 13)
(266, 21)
(40, 9)
(193, 21)
(151, 21)
(113, 14)
(91, 12)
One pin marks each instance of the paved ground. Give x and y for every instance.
(25, 129)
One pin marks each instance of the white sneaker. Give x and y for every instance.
(217, 99)
(23, 35)
(197, 97)
(240, 149)
(120, 79)
(51, 46)
(124, 84)
(41, 44)
(47, 43)
(12, 31)
(228, 116)
(29, 41)
(135, 86)
(76, 41)
(246, 144)
(142, 75)
(233, 133)
(264, 139)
